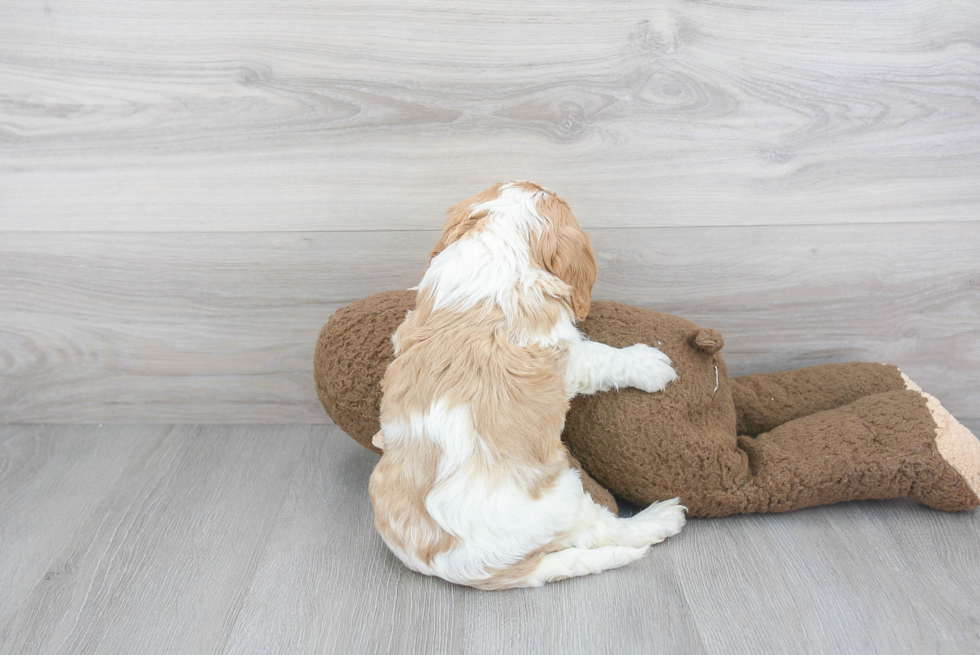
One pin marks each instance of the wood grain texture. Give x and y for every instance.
(329, 585)
(158, 565)
(51, 479)
(835, 579)
(259, 539)
(221, 327)
(308, 116)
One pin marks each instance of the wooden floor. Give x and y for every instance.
(259, 539)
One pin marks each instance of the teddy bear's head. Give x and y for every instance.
(352, 354)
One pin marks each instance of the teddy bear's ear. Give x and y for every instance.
(707, 340)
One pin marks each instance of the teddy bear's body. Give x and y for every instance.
(760, 443)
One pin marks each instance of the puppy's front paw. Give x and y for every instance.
(651, 369)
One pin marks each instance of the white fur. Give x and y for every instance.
(493, 264)
(495, 520)
(497, 523)
(594, 366)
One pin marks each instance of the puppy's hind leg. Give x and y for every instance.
(575, 562)
(656, 522)
(596, 526)
(601, 541)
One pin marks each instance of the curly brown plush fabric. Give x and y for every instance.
(819, 435)
(767, 400)
(352, 353)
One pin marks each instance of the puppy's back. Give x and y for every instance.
(472, 425)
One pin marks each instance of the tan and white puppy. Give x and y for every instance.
(474, 485)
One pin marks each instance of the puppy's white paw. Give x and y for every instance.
(651, 369)
(662, 520)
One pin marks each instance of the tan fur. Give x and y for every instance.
(398, 488)
(460, 218)
(516, 396)
(480, 358)
(516, 393)
(513, 575)
(566, 252)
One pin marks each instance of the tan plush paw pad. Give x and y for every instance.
(956, 444)
(911, 386)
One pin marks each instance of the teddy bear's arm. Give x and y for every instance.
(592, 366)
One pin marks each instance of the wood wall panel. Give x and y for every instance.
(187, 191)
(304, 116)
(220, 327)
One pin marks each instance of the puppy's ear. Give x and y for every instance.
(461, 218)
(565, 251)
(574, 263)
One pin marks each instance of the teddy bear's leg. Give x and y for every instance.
(767, 400)
(897, 443)
(958, 447)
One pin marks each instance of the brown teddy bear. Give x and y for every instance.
(771, 442)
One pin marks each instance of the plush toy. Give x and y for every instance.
(771, 442)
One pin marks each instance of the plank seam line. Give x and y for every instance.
(436, 230)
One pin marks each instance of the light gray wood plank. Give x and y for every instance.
(160, 565)
(221, 327)
(158, 327)
(834, 580)
(327, 584)
(51, 479)
(292, 116)
(245, 539)
(936, 559)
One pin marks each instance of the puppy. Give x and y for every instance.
(474, 485)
